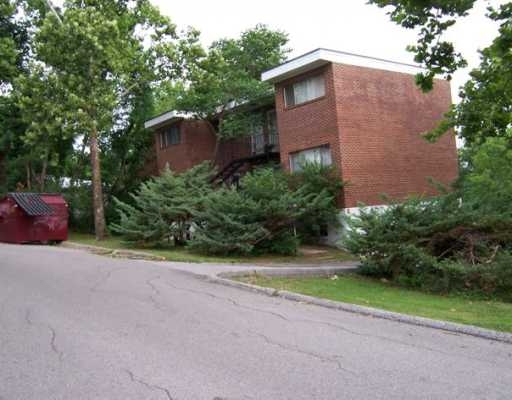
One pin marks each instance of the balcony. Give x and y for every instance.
(246, 147)
(261, 143)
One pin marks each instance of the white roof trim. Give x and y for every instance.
(165, 117)
(319, 57)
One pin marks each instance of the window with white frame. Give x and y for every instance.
(317, 155)
(170, 136)
(305, 90)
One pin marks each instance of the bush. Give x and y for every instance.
(81, 213)
(316, 178)
(258, 217)
(226, 225)
(446, 244)
(261, 215)
(163, 207)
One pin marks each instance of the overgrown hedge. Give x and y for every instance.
(460, 241)
(270, 210)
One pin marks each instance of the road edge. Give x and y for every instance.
(227, 279)
(471, 330)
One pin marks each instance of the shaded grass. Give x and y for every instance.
(327, 254)
(355, 289)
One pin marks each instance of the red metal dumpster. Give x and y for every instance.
(33, 217)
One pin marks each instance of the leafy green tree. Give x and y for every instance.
(43, 139)
(488, 184)
(432, 18)
(485, 109)
(100, 52)
(19, 19)
(163, 207)
(228, 74)
(8, 46)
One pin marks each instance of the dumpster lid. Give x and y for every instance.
(31, 203)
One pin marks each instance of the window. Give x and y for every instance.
(319, 155)
(303, 91)
(170, 136)
(273, 138)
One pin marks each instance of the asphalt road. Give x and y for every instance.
(78, 326)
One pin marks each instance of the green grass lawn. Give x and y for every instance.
(327, 254)
(355, 289)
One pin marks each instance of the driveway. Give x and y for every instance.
(79, 326)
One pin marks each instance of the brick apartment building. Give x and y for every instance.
(363, 115)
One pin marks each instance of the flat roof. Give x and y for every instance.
(165, 117)
(319, 57)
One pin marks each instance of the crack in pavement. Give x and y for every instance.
(230, 300)
(53, 338)
(329, 324)
(104, 279)
(332, 359)
(159, 306)
(133, 378)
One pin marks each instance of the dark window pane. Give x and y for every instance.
(289, 97)
(173, 135)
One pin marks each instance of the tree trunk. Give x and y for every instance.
(29, 179)
(42, 176)
(97, 192)
(216, 150)
(217, 138)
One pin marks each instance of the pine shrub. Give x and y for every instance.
(260, 216)
(162, 209)
(460, 241)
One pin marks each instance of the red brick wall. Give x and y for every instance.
(381, 116)
(197, 145)
(309, 124)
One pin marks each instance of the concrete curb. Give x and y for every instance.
(105, 251)
(362, 310)
(226, 279)
(283, 271)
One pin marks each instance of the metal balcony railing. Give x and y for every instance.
(261, 144)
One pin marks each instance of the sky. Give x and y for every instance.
(346, 25)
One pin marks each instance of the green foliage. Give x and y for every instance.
(162, 208)
(11, 152)
(81, 215)
(433, 18)
(226, 224)
(91, 62)
(486, 99)
(488, 184)
(227, 75)
(258, 217)
(316, 178)
(458, 241)
(240, 123)
(8, 47)
(96, 54)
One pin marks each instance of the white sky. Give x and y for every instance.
(347, 25)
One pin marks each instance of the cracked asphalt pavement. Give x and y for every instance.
(79, 326)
